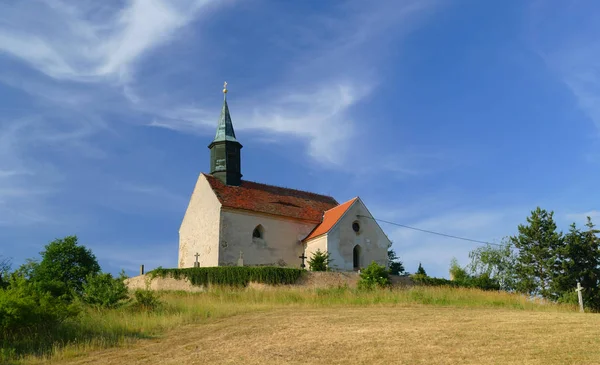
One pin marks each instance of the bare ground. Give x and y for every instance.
(371, 335)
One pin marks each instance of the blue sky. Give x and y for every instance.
(456, 116)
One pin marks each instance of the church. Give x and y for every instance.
(230, 221)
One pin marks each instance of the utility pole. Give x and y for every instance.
(579, 296)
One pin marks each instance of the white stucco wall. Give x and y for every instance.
(342, 239)
(199, 231)
(281, 244)
(319, 243)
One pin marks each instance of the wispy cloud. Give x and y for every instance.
(564, 35)
(328, 80)
(89, 39)
(581, 218)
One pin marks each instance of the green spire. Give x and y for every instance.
(225, 130)
(225, 156)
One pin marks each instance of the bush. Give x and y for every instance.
(232, 275)
(26, 308)
(146, 300)
(483, 282)
(102, 290)
(374, 276)
(319, 261)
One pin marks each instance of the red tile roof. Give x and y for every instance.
(330, 219)
(271, 199)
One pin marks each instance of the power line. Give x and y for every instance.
(432, 232)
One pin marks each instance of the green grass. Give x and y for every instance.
(96, 329)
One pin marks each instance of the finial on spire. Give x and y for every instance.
(225, 88)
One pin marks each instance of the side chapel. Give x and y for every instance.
(230, 221)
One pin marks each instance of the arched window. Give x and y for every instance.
(258, 232)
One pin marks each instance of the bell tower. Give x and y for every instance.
(225, 155)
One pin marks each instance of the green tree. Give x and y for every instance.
(5, 264)
(421, 270)
(65, 265)
(538, 245)
(319, 261)
(457, 273)
(395, 265)
(580, 260)
(103, 290)
(498, 263)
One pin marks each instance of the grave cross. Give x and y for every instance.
(303, 257)
(196, 264)
(579, 296)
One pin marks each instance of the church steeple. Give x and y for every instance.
(225, 156)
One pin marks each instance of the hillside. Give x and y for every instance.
(292, 326)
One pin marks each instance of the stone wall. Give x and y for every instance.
(312, 280)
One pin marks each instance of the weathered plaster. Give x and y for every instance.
(199, 231)
(371, 238)
(341, 240)
(280, 245)
(318, 243)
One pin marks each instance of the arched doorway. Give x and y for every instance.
(356, 257)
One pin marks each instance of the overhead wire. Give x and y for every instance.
(432, 232)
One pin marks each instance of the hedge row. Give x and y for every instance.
(481, 282)
(232, 275)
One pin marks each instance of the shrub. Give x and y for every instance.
(146, 299)
(102, 290)
(319, 261)
(374, 276)
(26, 308)
(232, 275)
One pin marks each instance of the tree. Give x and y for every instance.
(395, 265)
(319, 261)
(580, 260)
(65, 265)
(538, 245)
(5, 264)
(498, 263)
(421, 270)
(457, 273)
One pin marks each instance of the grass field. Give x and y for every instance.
(299, 326)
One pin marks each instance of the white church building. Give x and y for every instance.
(230, 221)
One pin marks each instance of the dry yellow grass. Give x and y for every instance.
(305, 327)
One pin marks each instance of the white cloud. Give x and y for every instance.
(325, 83)
(581, 218)
(565, 36)
(89, 40)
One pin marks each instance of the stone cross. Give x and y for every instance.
(579, 296)
(197, 264)
(303, 257)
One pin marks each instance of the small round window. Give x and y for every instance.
(355, 227)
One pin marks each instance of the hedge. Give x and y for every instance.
(481, 282)
(232, 275)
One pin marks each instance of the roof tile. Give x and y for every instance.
(271, 199)
(331, 217)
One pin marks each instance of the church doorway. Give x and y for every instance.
(356, 257)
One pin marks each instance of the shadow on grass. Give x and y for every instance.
(45, 342)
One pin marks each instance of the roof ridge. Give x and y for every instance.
(286, 188)
(340, 204)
